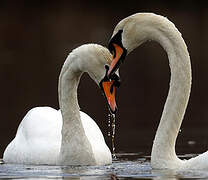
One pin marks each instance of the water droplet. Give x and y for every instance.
(112, 131)
(191, 143)
(113, 117)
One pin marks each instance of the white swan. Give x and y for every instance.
(43, 138)
(129, 34)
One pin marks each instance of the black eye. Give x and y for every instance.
(111, 48)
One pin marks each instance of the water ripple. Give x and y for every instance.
(127, 166)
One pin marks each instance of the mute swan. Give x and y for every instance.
(129, 34)
(42, 137)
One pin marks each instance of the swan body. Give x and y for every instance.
(67, 136)
(40, 126)
(129, 34)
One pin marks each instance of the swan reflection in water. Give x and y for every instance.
(128, 166)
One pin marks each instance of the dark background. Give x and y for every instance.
(36, 37)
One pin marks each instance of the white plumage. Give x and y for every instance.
(44, 137)
(137, 29)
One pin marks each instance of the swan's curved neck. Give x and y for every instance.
(68, 84)
(163, 31)
(177, 100)
(73, 133)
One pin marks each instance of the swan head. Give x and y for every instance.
(128, 34)
(118, 51)
(96, 64)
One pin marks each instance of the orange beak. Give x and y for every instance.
(109, 91)
(117, 54)
(108, 86)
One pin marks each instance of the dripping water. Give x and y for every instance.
(112, 131)
(113, 135)
(109, 125)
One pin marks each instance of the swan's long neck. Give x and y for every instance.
(177, 100)
(160, 29)
(73, 133)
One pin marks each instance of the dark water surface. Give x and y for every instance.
(191, 141)
(127, 166)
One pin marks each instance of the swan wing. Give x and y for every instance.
(100, 149)
(198, 162)
(38, 138)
